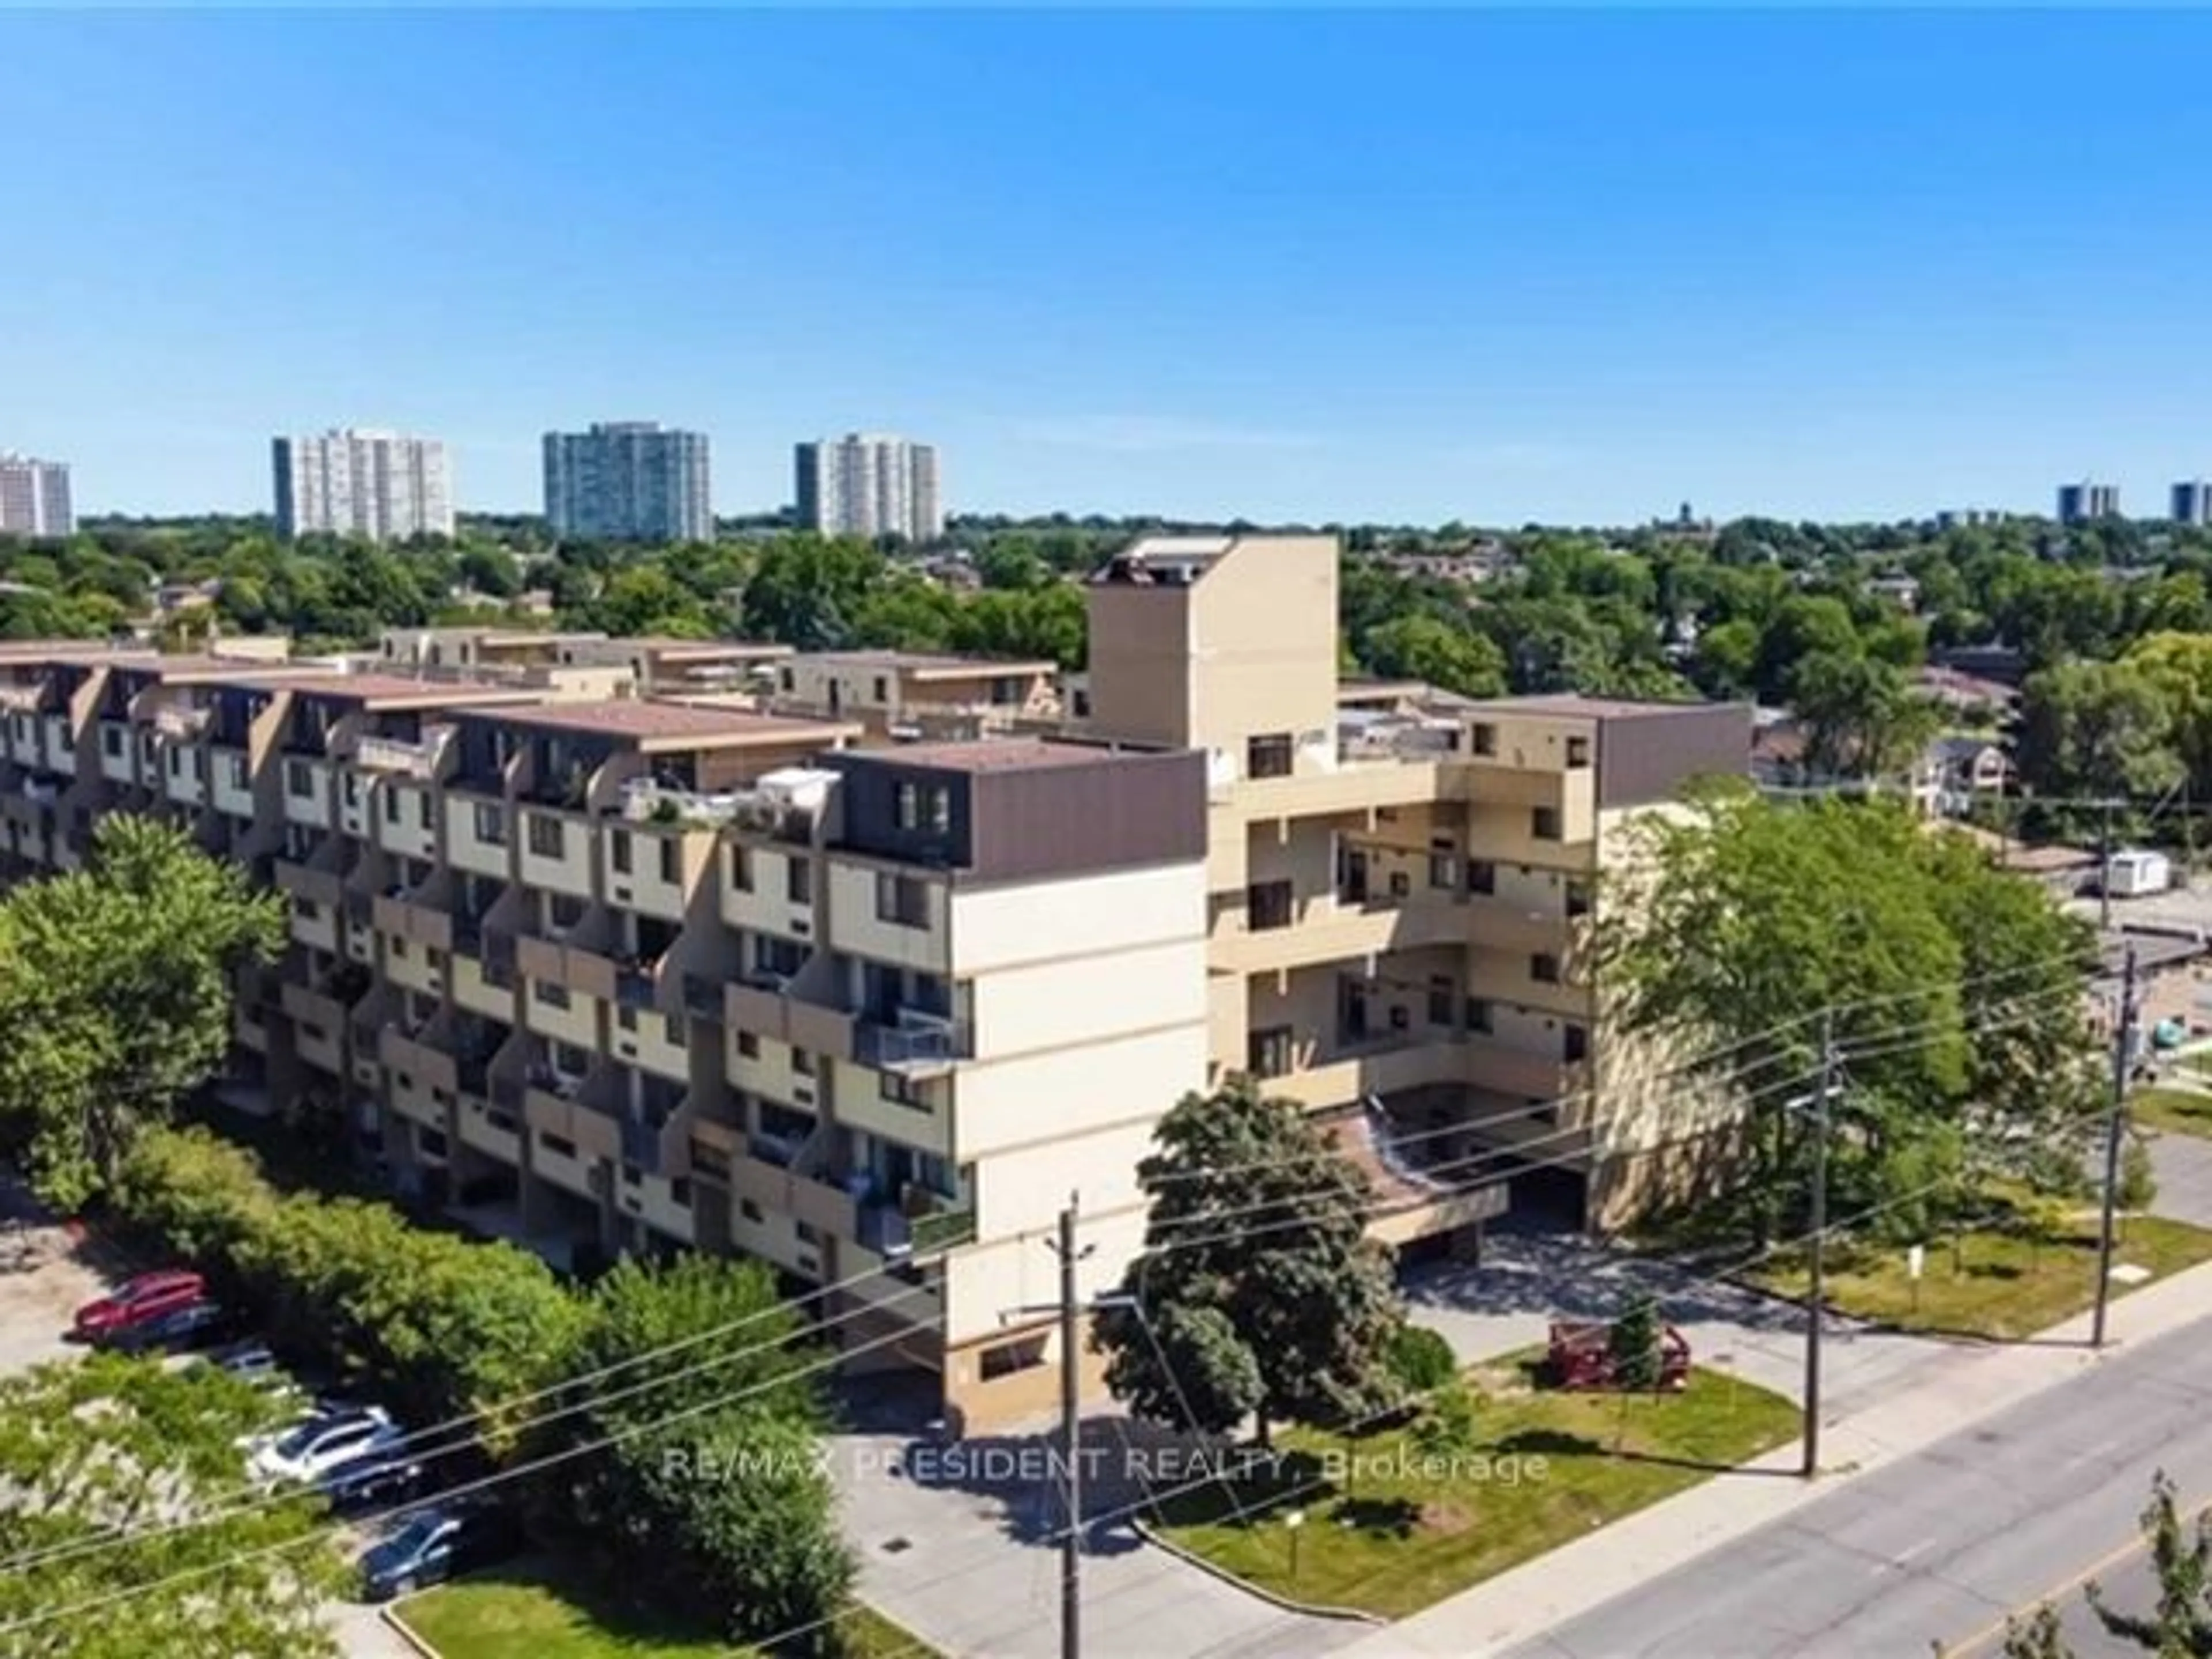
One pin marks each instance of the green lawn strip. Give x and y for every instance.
(2176, 1111)
(525, 1613)
(1389, 1531)
(1997, 1284)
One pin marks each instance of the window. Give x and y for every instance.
(802, 1062)
(1267, 904)
(503, 1121)
(618, 852)
(1578, 754)
(1441, 999)
(1484, 738)
(1578, 899)
(1480, 1016)
(903, 901)
(749, 1044)
(1400, 1017)
(1009, 1357)
(391, 807)
(400, 950)
(1443, 865)
(671, 1028)
(751, 1211)
(552, 995)
(679, 1193)
(785, 677)
(1575, 1044)
(882, 689)
(1544, 968)
(671, 862)
(741, 870)
(559, 1146)
(110, 741)
(1268, 1053)
(798, 880)
(926, 807)
(903, 1091)
(1268, 756)
(632, 1175)
(432, 1141)
(299, 778)
(563, 911)
(1544, 822)
(1481, 875)
(626, 1019)
(423, 808)
(491, 825)
(546, 839)
(435, 957)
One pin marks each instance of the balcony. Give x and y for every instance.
(1327, 931)
(703, 998)
(911, 1044)
(405, 759)
(771, 1005)
(402, 915)
(922, 1223)
(183, 724)
(789, 812)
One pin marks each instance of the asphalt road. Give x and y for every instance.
(1941, 1546)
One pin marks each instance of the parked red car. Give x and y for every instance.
(1581, 1356)
(136, 1300)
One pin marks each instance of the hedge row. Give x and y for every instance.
(437, 1324)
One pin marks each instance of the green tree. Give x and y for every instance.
(1632, 1344)
(1451, 1425)
(1862, 717)
(2096, 729)
(1422, 647)
(1255, 1217)
(115, 996)
(1422, 1360)
(1748, 919)
(2180, 1626)
(714, 1494)
(2138, 1176)
(111, 1444)
(806, 591)
(2036, 1636)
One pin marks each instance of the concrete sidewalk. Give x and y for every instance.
(1968, 1385)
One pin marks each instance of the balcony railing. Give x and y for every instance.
(567, 1085)
(181, 722)
(414, 760)
(636, 985)
(888, 1229)
(703, 997)
(911, 1043)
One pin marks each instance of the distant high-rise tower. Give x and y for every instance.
(356, 482)
(2078, 503)
(628, 481)
(2193, 503)
(868, 484)
(34, 497)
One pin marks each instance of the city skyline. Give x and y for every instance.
(1497, 309)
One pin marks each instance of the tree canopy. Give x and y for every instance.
(1259, 1293)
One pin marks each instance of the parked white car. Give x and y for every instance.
(313, 1448)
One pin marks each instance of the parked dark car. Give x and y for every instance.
(180, 1330)
(376, 1481)
(436, 1544)
(136, 1300)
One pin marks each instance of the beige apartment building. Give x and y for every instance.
(1401, 887)
(636, 974)
(776, 973)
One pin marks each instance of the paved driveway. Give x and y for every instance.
(1525, 1280)
(959, 1542)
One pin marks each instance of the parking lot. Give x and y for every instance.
(47, 1273)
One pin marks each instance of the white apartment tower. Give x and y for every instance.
(34, 497)
(630, 480)
(350, 482)
(869, 484)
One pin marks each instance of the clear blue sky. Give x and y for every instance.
(1287, 264)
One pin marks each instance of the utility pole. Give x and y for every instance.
(2105, 871)
(2123, 1042)
(1816, 1284)
(1071, 1429)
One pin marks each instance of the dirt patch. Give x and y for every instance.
(1445, 1519)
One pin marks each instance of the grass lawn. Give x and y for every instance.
(2177, 1111)
(522, 1615)
(1999, 1285)
(1384, 1534)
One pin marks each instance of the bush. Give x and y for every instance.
(2138, 1177)
(442, 1325)
(1421, 1360)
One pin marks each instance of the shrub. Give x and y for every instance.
(1421, 1360)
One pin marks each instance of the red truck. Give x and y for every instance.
(1581, 1356)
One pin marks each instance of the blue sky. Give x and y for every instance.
(1497, 266)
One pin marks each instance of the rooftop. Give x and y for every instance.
(1573, 705)
(676, 723)
(998, 755)
(933, 663)
(384, 690)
